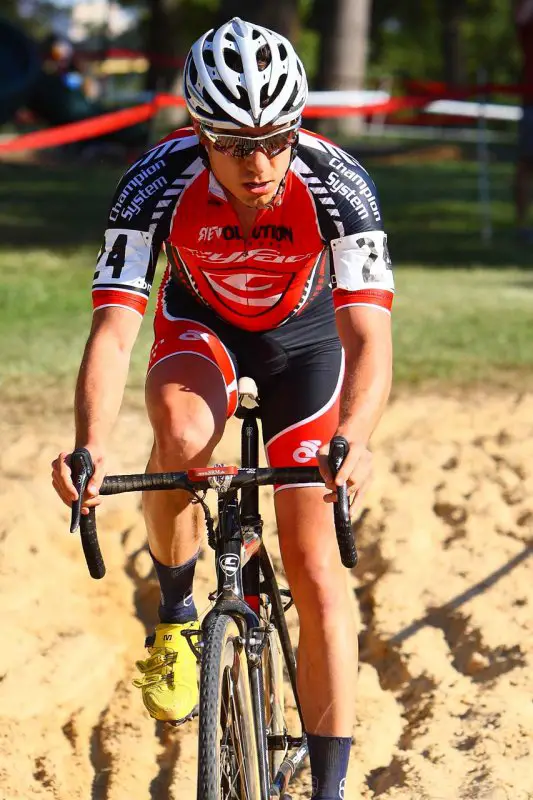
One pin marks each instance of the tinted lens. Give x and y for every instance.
(241, 147)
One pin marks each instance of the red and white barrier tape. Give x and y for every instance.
(318, 108)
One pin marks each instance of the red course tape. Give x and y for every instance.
(116, 120)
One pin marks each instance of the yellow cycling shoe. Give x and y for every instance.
(169, 683)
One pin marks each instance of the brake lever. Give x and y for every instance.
(338, 451)
(82, 469)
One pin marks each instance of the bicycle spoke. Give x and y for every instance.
(239, 748)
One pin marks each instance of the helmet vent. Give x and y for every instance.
(265, 99)
(264, 57)
(193, 72)
(290, 101)
(233, 60)
(243, 100)
(209, 58)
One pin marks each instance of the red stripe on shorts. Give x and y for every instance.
(175, 336)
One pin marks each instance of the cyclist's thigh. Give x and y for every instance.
(300, 407)
(300, 412)
(191, 377)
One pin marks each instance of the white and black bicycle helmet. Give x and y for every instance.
(244, 75)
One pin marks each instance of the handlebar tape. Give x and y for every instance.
(82, 468)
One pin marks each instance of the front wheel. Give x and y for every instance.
(228, 766)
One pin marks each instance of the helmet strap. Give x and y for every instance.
(276, 200)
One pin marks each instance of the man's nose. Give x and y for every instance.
(257, 161)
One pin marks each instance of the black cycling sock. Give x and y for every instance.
(177, 604)
(329, 764)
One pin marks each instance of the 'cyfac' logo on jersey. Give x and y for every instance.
(248, 293)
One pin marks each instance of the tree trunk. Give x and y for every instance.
(453, 55)
(278, 15)
(164, 44)
(344, 26)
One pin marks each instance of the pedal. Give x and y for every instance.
(195, 647)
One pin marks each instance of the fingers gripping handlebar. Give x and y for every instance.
(83, 468)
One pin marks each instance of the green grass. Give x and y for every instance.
(463, 327)
(463, 312)
(45, 314)
(433, 215)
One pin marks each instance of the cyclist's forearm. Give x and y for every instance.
(365, 391)
(99, 390)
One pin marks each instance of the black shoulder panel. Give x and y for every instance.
(344, 193)
(141, 211)
(147, 193)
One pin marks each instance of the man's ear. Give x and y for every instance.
(198, 131)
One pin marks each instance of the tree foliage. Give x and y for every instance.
(444, 39)
(433, 39)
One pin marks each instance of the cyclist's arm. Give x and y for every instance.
(365, 334)
(99, 390)
(137, 225)
(102, 376)
(121, 286)
(139, 221)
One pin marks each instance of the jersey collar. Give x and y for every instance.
(215, 188)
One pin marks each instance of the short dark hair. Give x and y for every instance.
(234, 61)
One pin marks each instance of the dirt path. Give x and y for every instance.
(444, 603)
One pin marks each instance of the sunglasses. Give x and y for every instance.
(243, 146)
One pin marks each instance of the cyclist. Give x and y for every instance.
(277, 268)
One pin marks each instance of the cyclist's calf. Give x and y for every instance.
(327, 662)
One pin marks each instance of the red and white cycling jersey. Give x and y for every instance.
(326, 231)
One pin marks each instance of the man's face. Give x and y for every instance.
(253, 180)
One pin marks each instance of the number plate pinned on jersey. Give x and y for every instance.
(218, 476)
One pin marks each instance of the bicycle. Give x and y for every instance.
(245, 751)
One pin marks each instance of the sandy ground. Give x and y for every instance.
(444, 611)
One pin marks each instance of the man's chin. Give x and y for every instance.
(261, 202)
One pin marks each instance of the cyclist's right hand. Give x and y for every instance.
(62, 480)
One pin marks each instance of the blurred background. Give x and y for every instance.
(429, 95)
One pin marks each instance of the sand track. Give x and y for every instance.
(443, 600)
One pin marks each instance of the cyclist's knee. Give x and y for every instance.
(319, 587)
(185, 441)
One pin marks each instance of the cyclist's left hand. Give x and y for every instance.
(356, 471)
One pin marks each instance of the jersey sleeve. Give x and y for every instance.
(139, 222)
(350, 220)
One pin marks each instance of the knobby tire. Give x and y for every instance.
(227, 749)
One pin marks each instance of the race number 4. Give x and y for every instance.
(124, 258)
(117, 255)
